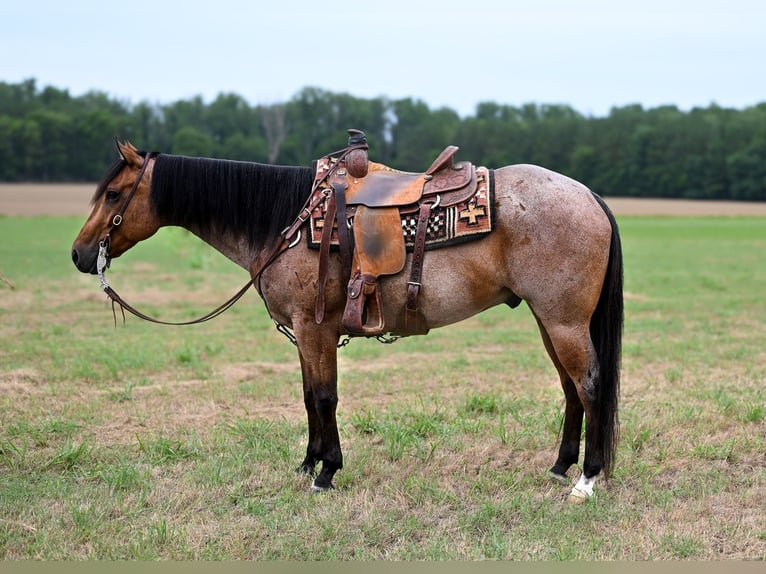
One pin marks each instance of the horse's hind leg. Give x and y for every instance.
(574, 351)
(569, 451)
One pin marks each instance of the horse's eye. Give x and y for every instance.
(112, 195)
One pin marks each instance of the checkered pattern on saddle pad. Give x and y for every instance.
(459, 223)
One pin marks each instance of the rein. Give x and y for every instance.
(264, 260)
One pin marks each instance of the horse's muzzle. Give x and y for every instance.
(85, 262)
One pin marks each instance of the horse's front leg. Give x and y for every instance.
(314, 448)
(317, 348)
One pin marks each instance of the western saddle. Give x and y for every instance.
(363, 202)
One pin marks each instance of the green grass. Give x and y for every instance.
(149, 442)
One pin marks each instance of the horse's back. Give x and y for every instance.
(534, 194)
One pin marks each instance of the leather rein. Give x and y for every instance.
(267, 257)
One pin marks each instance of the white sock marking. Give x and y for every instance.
(584, 487)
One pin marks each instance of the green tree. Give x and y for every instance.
(181, 115)
(46, 134)
(54, 129)
(192, 142)
(145, 128)
(747, 171)
(9, 156)
(418, 134)
(17, 100)
(244, 148)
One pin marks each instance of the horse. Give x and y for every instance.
(555, 245)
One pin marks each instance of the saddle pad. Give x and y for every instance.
(466, 221)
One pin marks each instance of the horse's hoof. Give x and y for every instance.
(560, 478)
(320, 489)
(578, 498)
(583, 490)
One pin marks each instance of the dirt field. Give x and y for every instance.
(73, 199)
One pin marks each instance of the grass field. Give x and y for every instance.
(151, 442)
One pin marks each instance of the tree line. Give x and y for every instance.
(47, 135)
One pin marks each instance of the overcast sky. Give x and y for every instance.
(590, 54)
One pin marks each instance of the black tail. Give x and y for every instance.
(606, 328)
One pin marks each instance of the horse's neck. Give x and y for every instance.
(192, 193)
(237, 249)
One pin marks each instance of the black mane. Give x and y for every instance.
(252, 200)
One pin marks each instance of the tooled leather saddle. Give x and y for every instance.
(362, 206)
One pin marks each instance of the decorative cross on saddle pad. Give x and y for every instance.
(466, 221)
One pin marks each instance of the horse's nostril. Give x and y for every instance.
(75, 256)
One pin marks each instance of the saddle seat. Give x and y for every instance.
(383, 186)
(372, 196)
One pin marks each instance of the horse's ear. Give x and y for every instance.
(129, 153)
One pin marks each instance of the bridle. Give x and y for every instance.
(103, 246)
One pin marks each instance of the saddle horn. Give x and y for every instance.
(357, 160)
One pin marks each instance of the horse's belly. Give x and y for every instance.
(457, 283)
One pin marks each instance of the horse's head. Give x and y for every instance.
(122, 213)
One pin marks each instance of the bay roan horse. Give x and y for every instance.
(555, 245)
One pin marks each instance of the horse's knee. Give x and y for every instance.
(308, 400)
(325, 402)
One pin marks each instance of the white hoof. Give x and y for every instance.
(583, 490)
(319, 489)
